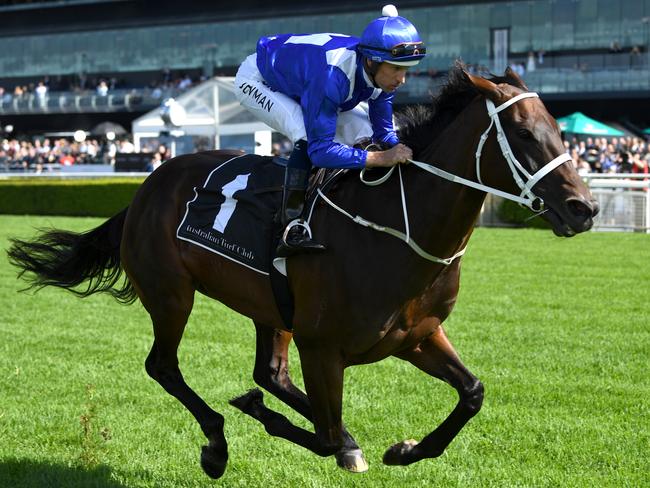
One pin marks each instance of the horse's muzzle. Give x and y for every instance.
(575, 215)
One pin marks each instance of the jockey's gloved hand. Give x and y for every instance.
(395, 155)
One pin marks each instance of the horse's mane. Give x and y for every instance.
(420, 124)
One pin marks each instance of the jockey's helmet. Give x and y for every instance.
(392, 39)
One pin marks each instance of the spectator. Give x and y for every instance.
(126, 146)
(607, 163)
(156, 92)
(165, 154)
(155, 163)
(639, 164)
(5, 96)
(624, 160)
(41, 93)
(591, 155)
(110, 153)
(102, 88)
(185, 83)
(41, 90)
(578, 163)
(530, 62)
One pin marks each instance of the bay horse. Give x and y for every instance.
(368, 297)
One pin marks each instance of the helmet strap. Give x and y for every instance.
(371, 68)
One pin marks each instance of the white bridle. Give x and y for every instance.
(526, 197)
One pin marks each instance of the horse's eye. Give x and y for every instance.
(525, 134)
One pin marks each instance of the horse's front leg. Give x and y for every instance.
(322, 370)
(271, 372)
(437, 357)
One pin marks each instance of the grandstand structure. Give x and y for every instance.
(574, 52)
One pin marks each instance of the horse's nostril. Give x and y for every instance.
(581, 208)
(595, 206)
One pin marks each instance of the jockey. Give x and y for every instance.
(309, 87)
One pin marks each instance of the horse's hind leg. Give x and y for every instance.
(169, 316)
(323, 373)
(271, 372)
(437, 357)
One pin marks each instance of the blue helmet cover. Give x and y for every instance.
(384, 33)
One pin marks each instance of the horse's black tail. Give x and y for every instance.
(68, 259)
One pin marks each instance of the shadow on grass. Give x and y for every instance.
(23, 473)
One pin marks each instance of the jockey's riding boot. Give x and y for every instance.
(296, 239)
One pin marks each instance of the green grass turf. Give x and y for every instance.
(556, 329)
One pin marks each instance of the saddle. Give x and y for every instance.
(234, 214)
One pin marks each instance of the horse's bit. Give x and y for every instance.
(526, 197)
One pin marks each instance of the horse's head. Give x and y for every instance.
(529, 158)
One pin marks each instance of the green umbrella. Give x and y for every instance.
(579, 123)
(646, 131)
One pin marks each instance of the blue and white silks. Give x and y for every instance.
(310, 86)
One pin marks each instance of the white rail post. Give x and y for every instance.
(647, 206)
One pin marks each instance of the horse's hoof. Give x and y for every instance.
(352, 460)
(212, 462)
(246, 401)
(396, 454)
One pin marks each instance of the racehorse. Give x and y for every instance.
(368, 297)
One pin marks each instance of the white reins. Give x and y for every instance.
(406, 237)
(526, 197)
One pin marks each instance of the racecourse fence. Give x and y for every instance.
(624, 198)
(624, 203)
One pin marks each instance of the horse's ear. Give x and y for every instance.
(514, 79)
(486, 87)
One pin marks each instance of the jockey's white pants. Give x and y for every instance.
(284, 114)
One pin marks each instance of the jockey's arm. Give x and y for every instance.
(320, 106)
(326, 153)
(320, 115)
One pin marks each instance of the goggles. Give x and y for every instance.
(403, 50)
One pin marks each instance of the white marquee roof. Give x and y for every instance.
(211, 110)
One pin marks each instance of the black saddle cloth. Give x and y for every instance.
(232, 213)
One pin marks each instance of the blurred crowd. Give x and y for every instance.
(43, 155)
(616, 155)
(102, 86)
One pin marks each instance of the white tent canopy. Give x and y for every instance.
(213, 113)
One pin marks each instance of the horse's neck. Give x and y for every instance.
(441, 214)
(449, 210)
